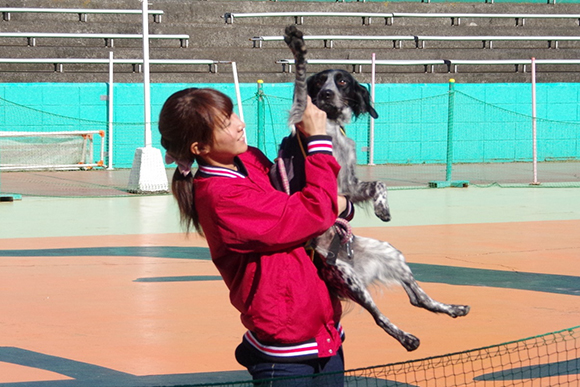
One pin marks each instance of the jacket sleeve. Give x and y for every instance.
(253, 220)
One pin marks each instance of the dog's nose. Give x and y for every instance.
(326, 94)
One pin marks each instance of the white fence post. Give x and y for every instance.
(534, 131)
(110, 114)
(148, 173)
(372, 123)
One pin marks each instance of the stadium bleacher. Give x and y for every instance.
(550, 33)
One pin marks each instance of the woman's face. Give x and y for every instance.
(228, 141)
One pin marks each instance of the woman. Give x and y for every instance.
(256, 235)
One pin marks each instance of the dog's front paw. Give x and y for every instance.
(382, 212)
(380, 201)
(294, 39)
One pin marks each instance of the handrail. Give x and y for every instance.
(489, 39)
(519, 17)
(59, 62)
(389, 17)
(420, 39)
(299, 16)
(328, 39)
(429, 63)
(82, 12)
(515, 62)
(32, 36)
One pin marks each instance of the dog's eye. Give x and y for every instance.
(341, 82)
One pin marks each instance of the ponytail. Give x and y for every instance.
(184, 193)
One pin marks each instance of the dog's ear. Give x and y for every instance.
(361, 101)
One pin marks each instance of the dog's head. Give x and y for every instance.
(339, 95)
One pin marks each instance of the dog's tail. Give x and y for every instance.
(294, 39)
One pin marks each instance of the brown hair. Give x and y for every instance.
(189, 116)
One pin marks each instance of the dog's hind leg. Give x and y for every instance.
(421, 299)
(380, 261)
(343, 280)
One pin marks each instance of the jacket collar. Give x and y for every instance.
(211, 171)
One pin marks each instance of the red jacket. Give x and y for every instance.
(256, 237)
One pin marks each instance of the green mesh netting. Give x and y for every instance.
(451, 137)
(551, 359)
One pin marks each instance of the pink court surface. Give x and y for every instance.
(110, 292)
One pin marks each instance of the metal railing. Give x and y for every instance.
(108, 38)
(389, 17)
(82, 12)
(59, 63)
(419, 40)
(429, 64)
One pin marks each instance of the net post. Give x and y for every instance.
(372, 120)
(110, 115)
(534, 127)
(450, 117)
(261, 122)
(449, 159)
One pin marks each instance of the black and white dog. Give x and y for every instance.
(351, 263)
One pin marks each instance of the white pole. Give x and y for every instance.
(148, 173)
(111, 116)
(146, 81)
(238, 95)
(372, 126)
(534, 132)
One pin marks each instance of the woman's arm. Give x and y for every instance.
(276, 221)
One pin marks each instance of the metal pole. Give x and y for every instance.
(239, 97)
(261, 121)
(146, 80)
(238, 94)
(450, 123)
(110, 116)
(534, 132)
(450, 113)
(372, 122)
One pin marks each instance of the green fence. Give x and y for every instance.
(426, 135)
(444, 138)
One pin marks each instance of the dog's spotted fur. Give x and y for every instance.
(340, 96)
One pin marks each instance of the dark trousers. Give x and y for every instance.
(309, 371)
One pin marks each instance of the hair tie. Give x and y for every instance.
(183, 166)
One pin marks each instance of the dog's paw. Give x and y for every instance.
(382, 212)
(410, 342)
(459, 310)
(294, 38)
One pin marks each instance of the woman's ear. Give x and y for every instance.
(198, 149)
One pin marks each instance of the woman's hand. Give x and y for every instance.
(313, 121)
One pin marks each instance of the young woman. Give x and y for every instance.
(256, 235)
